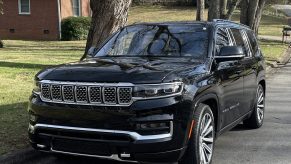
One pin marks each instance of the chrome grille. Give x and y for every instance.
(81, 94)
(124, 95)
(56, 92)
(45, 90)
(95, 94)
(68, 93)
(109, 94)
(87, 93)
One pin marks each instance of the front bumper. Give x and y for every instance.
(83, 134)
(107, 149)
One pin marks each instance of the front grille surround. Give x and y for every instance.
(87, 93)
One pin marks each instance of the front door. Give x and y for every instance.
(230, 74)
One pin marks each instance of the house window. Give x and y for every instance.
(76, 8)
(24, 6)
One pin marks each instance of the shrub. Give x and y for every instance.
(75, 28)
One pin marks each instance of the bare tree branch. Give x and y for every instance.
(233, 5)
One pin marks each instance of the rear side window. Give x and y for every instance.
(239, 39)
(222, 39)
(253, 41)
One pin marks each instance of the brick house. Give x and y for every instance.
(38, 19)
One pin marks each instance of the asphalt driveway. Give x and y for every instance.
(269, 144)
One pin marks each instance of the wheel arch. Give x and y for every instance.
(263, 83)
(211, 100)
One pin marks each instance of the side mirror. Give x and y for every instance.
(231, 53)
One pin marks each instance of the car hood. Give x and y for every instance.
(128, 69)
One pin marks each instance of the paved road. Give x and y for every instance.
(270, 144)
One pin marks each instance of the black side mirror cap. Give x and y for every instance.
(231, 53)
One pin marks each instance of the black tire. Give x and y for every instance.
(192, 154)
(257, 118)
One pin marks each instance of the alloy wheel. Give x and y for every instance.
(206, 139)
(260, 105)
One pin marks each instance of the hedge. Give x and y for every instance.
(75, 28)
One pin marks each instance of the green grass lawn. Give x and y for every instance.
(273, 51)
(270, 25)
(21, 60)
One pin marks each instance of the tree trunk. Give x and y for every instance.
(252, 9)
(244, 12)
(259, 16)
(223, 4)
(233, 5)
(200, 10)
(107, 17)
(214, 12)
(1, 44)
(251, 13)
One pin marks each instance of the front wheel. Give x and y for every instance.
(201, 143)
(257, 117)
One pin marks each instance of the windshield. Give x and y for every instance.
(158, 40)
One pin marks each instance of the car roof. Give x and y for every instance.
(215, 22)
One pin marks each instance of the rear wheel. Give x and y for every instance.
(201, 143)
(257, 117)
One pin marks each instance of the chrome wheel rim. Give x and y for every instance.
(206, 139)
(260, 105)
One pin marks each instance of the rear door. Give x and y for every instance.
(251, 67)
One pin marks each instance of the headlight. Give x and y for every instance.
(157, 90)
(36, 88)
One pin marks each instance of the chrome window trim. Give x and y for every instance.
(134, 135)
(102, 85)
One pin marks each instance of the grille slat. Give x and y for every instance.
(56, 92)
(95, 95)
(124, 95)
(109, 94)
(46, 91)
(68, 93)
(81, 94)
(86, 94)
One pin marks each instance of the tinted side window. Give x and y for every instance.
(239, 39)
(221, 39)
(253, 41)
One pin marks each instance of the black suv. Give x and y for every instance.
(153, 92)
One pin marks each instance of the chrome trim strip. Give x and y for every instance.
(112, 157)
(135, 136)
